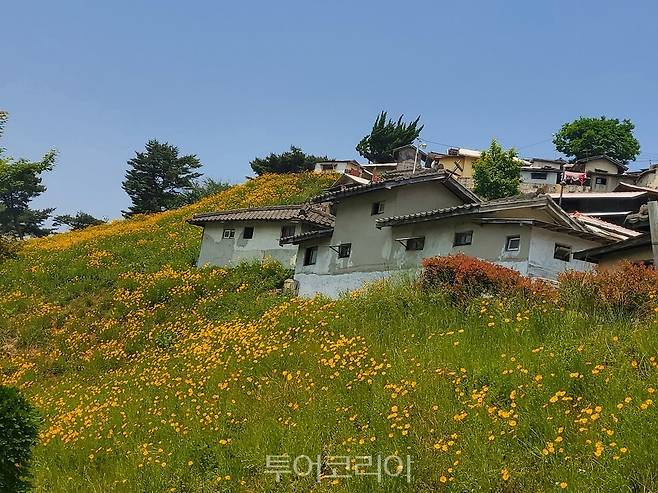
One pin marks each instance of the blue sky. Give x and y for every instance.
(230, 81)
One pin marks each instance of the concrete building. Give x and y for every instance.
(391, 226)
(636, 249)
(233, 236)
(339, 166)
(605, 173)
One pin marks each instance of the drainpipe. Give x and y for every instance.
(653, 228)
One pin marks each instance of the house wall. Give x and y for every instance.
(649, 179)
(466, 162)
(601, 164)
(612, 180)
(551, 177)
(217, 250)
(372, 247)
(639, 254)
(542, 246)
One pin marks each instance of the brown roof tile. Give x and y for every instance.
(295, 213)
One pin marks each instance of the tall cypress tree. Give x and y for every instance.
(159, 179)
(386, 135)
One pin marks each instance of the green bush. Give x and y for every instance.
(19, 425)
(9, 247)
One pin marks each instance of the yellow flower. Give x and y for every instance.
(504, 473)
(563, 485)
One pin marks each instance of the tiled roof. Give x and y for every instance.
(295, 213)
(309, 235)
(407, 178)
(489, 206)
(595, 254)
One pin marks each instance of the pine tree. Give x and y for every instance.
(20, 183)
(385, 136)
(80, 221)
(293, 161)
(159, 179)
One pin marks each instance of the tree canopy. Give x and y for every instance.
(80, 221)
(387, 135)
(497, 172)
(587, 137)
(20, 183)
(159, 178)
(204, 188)
(293, 161)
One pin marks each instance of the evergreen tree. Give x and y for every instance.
(497, 172)
(204, 188)
(159, 179)
(588, 137)
(20, 182)
(378, 145)
(80, 221)
(293, 161)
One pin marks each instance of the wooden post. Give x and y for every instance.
(653, 228)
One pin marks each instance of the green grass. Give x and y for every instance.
(135, 359)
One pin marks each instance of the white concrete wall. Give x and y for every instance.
(541, 262)
(217, 250)
(551, 177)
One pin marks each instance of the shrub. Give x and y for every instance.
(625, 289)
(466, 277)
(18, 434)
(9, 247)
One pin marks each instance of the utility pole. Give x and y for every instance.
(418, 144)
(653, 228)
(562, 183)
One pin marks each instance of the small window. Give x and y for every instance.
(229, 233)
(601, 180)
(415, 244)
(513, 243)
(539, 175)
(463, 238)
(248, 233)
(377, 208)
(328, 167)
(344, 250)
(562, 252)
(311, 255)
(288, 230)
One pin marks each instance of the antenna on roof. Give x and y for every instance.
(422, 144)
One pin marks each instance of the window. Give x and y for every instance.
(344, 250)
(377, 208)
(415, 243)
(562, 252)
(310, 255)
(287, 230)
(248, 233)
(229, 233)
(328, 167)
(463, 238)
(513, 243)
(538, 175)
(601, 180)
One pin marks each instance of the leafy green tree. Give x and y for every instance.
(159, 178)
(378, 145)
(587, 137)
(20, 182)
(204, 188)
(80, 221)
(19, 426)
(497, 172)
(293, 161)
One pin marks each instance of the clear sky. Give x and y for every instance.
(230, 81)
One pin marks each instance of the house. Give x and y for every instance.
(456, 160)
(233, 236)
(613, 206)
(546, 176)
(338, 166)
(604, 172)
(636, 249)
(391, 225)
(647, 178)
(409, 156)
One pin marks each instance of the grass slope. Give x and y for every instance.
(154, 376)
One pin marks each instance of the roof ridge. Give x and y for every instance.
(250, 209)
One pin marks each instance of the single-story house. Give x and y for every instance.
(338, 166)
(636, 249)
(604, 172)
(390, 226)
(547, 176)
(233, 236)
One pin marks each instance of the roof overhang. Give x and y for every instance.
(310, 235)
(595, 254)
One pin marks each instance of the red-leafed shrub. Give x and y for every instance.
(466, 277)
(627, 288)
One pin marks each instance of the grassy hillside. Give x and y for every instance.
(154, 376)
